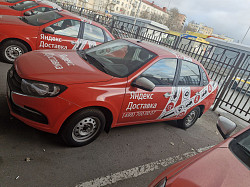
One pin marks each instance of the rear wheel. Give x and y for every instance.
(12, 49)
(83, 128)
(189, 119)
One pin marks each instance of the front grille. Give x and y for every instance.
(14, 83)
(14, 80)
(28, 113)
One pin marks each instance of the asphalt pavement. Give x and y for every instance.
(127, 156)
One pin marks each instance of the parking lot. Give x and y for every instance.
(127, 156)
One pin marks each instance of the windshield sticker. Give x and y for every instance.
(171, 110)
(86, 20)
(80, 44)
(65, 58)
(53, 60)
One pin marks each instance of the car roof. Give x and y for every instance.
(48, 3)
(161, 50)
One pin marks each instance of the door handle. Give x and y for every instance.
(166, 95)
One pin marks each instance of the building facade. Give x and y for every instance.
(201, 28)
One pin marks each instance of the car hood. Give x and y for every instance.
(6, 10)
(11, 20)
(218, 167)
(61, 66)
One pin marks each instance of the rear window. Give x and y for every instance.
(13, 1)
(41, 19)
(24, 5)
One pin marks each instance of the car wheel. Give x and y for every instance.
(189, 119)
(12, 49)
(83, 127)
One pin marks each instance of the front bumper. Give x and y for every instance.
(46, 114)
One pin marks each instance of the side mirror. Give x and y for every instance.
(28, 13)
(49, 30)
(225, 126)
(143, 83)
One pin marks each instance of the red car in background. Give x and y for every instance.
(27, 8)
(12, 2)
(118, 83)
(50, 30)
(226, 164)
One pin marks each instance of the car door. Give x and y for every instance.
(141, 105)
(66, 34)
(191, 87)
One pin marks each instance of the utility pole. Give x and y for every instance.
(245, 35)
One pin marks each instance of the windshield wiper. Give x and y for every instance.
(92, 60)
(83, 54)
(243, 147)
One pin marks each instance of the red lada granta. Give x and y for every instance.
(225, 165)
(121, 82)
(12, 2)
(50, 30)
(27, 8)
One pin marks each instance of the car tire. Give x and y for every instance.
(12, 49)
(190, 118)
(83, 127)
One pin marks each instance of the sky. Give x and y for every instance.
(228, 17)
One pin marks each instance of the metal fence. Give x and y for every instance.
(227, 66)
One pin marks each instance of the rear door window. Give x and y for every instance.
(190, 74)
(93, 33)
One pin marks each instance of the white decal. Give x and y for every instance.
(50, 38)
(140, 96)
(132, 106)
(65, 58)
(53, 60)
(51, 46)
(140, 114)
(81, 43)
(171, 110)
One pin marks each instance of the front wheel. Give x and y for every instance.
(189, 119)
(83, 127)
(12, 49)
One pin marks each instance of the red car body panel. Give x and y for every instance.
(99, 90)
(4, 2)
(13, 28)
(217, 166)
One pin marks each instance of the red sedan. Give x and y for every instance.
(27, 8)
(12, 2)
(226, 164)
(50, 30)
(121, 82)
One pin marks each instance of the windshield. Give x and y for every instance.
(41, 19)
(13, 1)
(240, 146)
(24, 5)
(118, 58)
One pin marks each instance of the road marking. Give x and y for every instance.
(140, 170)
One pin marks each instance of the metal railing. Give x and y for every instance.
(222, 63)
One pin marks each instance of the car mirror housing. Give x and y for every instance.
(143, 83)
(28, 13)
(225, 126)
(49, 30)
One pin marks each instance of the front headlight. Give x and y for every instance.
(41, 89)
